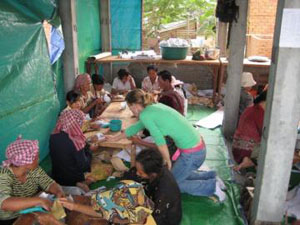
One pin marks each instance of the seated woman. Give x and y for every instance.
(161, 187)
(70, 155)
(87, 99)
(246, 98)
(21, 179)
(126, 203)
(150, 83)
(162, 121)
(169, 96)
(73, 100)
(248, 134)
(123, 83)
(99, 92)
(98, 84)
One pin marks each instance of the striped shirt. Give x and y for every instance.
(11, 187)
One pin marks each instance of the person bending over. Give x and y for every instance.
(162, 121)
(161, 187)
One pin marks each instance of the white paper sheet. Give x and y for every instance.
(125, 154)
(290, 29)
(212, 121)
(292, 205)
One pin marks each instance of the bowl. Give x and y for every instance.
(107, 99)
(115, 125)
(174, 53)
(123, 105)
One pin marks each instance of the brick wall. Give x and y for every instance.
(261, 23)
(181, 32)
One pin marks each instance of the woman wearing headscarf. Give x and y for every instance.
(21, 179)
(246, 99)
(87, 99)
(70, 154)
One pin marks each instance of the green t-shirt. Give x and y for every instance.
(162, 121)
(11, 187)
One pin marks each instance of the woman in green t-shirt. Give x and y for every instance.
(162, 121)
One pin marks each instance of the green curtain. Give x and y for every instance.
(28, 84)
(88, 28)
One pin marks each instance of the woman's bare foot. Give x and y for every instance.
(246, 163)
(90, 179)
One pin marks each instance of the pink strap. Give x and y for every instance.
(176, 155)
(197, 148)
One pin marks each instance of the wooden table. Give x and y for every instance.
(113, 111)
(213, 65)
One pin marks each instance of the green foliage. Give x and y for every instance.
(158, 12)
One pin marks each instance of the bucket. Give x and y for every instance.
(174, 53)
(115, 125)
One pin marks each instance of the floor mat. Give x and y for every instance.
(202, 210)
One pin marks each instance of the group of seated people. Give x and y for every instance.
(163, 179)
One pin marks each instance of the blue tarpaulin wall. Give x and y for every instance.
(28, 82)
(126, 27)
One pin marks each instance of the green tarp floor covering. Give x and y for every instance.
(202, 210)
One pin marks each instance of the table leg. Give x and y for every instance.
(215, 83)
(96, 68)
(132, 155)
(88, 66)
(221, 77)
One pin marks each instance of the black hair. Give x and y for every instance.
(73, 96)
(151, 161)
(97, 80)
(261, 98)
(123, 73)
(165, 75)
(152, 67)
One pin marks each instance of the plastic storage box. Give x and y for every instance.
(174, 53)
